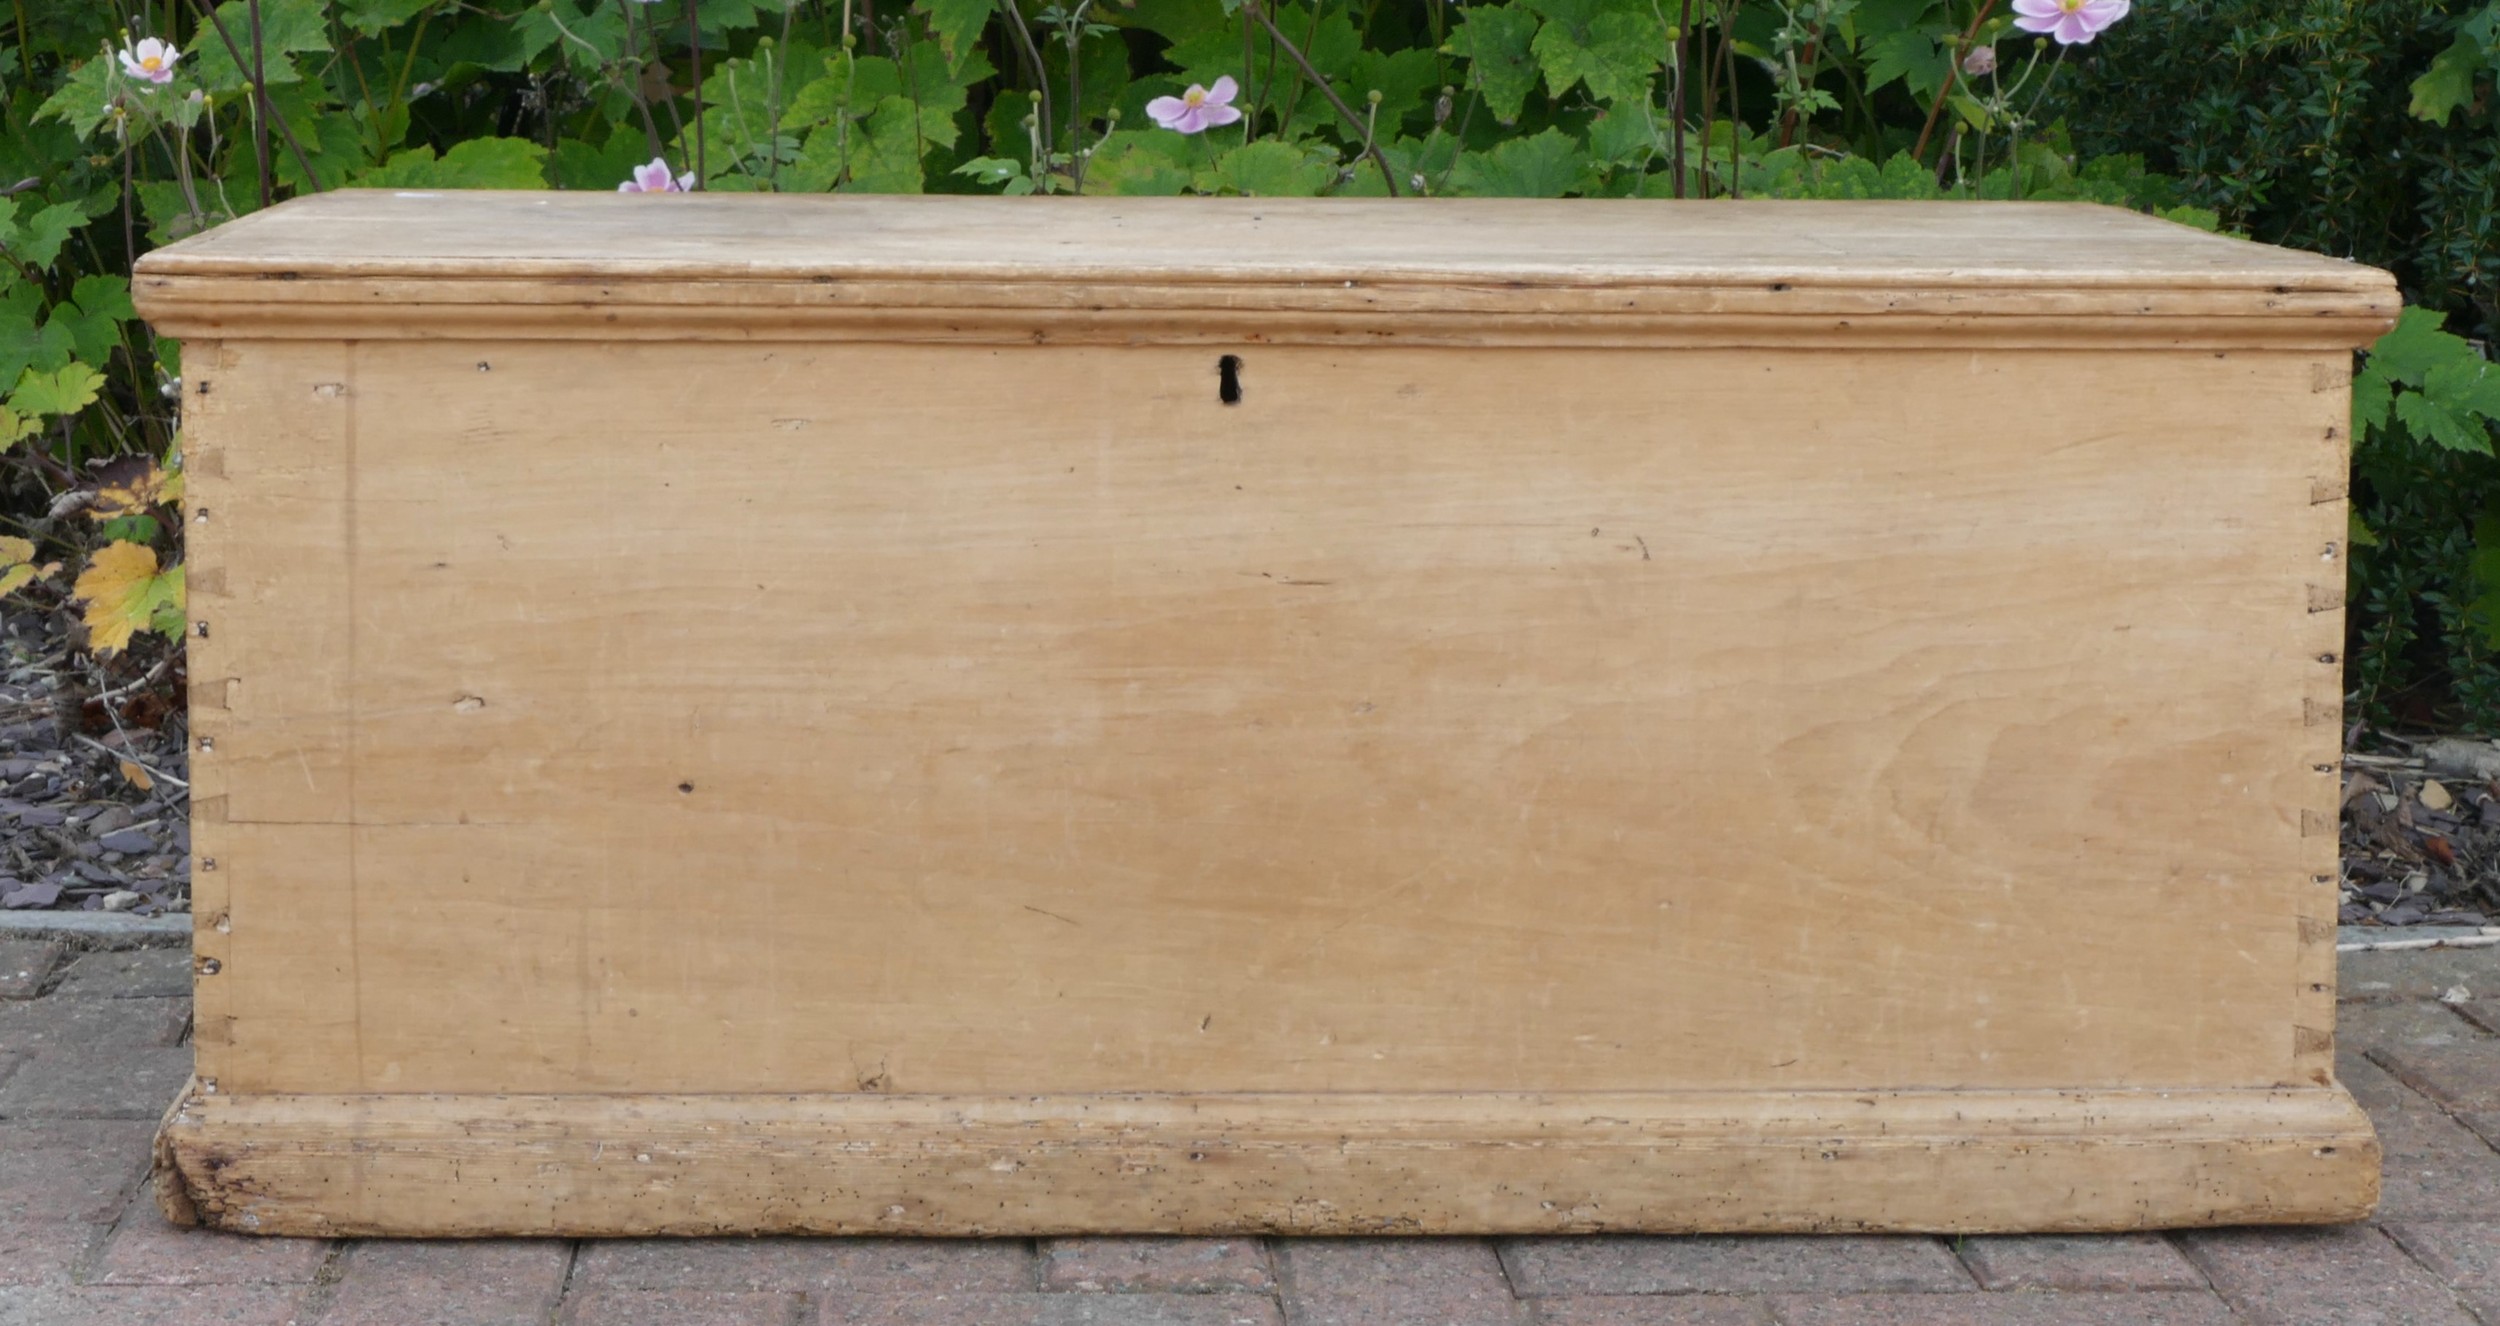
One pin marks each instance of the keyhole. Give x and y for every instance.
(1228, 379)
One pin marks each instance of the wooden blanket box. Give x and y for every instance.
(1038, 716)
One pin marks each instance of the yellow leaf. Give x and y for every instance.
(134, 495)
(137, 777)
(17, 565)
(125, 593)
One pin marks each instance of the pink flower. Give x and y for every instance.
(1199, 109)
(150, 61)
(2072, 22)
(654, 178)
(1981, 62)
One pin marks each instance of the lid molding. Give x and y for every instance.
(375, 264)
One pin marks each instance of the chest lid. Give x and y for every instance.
(381, 263)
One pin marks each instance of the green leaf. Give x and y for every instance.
(93, 315)
(85, 98)
(2415, 345)
(2203, 218)
(886, 159)
(65, 390)
(1549, 165)
(2358, 532)
(1420, 164)
(369, 17)
(956, 24)
(582, 165)
(287, 28)
(2373, 396)
(1496, 41)
(1877, 19)
(37, 240)
(1612, 50)
(1915, 58)
(136, 529)
(469, 48)
(1174, 20)
(479, 163)
(1626, 134)
(746, 133)
(587, 35)
(2437, 421)
(1272, 169)
(25, 339)
(2449, 82)
(1215, 52)
(941, 86)
(2468, 385)
(1132, 162)
(1003, 173)
(2483, 612)
(1404, 80)
(722, 16)
(168, 208)
(336, 143)
(877, 154)
(851, 83)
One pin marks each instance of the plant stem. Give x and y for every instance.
(260, 105)
(130, 233)
(1294, 107)
(694, 47)
(633, 89)
(260, 99)
(1041, 78)
(1735, 111)
(1918, 151)
(1683, 35)
(1458, 141)
(1250, 117)
(1802, 77)
(1258, 10)
(781, 73)
(407, 66)
(1073, 36)
(1709, 107)
(25, 45)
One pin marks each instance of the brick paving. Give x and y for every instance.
(92, 1046)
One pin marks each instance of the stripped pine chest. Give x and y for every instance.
(979, 716)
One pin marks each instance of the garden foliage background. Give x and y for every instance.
(2365, 128)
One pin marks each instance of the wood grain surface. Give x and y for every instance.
(1341, 1163)
(353, 265)
(886, 717)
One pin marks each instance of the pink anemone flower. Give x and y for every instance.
(654, 178)
(150, 61)
(2071, 22)
(1199, 109)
